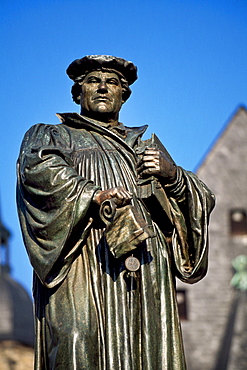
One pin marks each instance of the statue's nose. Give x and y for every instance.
(102, 87)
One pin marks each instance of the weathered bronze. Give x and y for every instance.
(108, 221)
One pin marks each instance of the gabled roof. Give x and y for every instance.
(240, 115)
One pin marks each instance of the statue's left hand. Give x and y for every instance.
(155, 162)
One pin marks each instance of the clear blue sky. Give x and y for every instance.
(191, 57)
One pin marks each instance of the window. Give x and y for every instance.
(238, 222)
(182, 304)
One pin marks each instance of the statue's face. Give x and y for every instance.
(101, 96)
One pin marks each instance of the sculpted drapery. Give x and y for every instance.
(91, 313)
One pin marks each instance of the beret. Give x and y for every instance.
(91, 63)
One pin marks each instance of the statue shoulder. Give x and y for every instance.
(42, 135)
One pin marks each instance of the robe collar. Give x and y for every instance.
(127, 135)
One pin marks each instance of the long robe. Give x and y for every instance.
(91, 313)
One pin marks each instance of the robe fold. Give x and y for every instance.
(91, 313)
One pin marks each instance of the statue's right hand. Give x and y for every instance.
(121, 196)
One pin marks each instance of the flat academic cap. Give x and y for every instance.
(89, 63)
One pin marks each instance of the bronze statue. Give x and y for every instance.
(108, 221)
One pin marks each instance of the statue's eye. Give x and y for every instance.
(92, 80)
(113, 81)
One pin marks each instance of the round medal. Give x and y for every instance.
(132, 263)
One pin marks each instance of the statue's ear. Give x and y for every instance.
(79, 98)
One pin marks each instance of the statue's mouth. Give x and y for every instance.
(102, 98)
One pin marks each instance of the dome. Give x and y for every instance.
(16, 310)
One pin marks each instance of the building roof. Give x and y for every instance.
(16, 308)
(239, 115)
(16, 311)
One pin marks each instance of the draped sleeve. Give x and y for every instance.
(53, 201)
(191, 204)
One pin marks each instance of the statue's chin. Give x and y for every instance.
(103, 108)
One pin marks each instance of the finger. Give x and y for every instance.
(122, 189)
(150, 158)
(125, 195)
(141, 169)
(121, 201)
(121, 193)
(150, 171)
(148, 165)
(152, 151)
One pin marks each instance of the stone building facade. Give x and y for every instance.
(215, 329)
